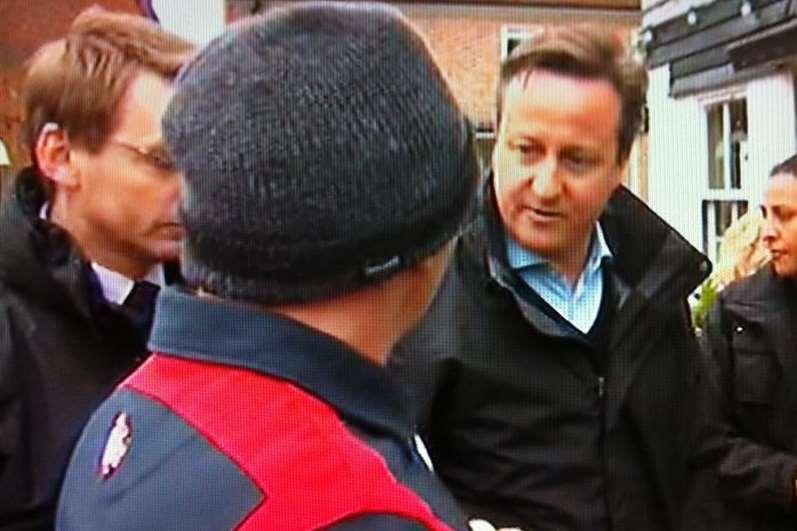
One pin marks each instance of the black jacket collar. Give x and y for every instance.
(762, 294)
(233, 334)
(768, 303)
(653, 270)
(43, 264)
(39, 259)
(650, 257)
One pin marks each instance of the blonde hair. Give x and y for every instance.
(77, 82)
(742, 251)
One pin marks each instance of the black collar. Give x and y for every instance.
(39, 258)
(44, 263)
(233, 334)
(763, 294)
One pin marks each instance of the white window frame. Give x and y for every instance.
(727, 194)
(5, 160)
(482, 136)
(510, 33)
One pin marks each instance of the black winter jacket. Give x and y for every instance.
(749, 428)
(509, 400)
(62, 351)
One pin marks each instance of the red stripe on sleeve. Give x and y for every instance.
(312, 470)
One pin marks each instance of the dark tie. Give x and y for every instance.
(140, 305)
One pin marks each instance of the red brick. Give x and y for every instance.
(469, 50)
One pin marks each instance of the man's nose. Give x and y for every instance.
(545, 180)
(175, 196)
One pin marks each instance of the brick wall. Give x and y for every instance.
(465, 35)
(467, 42)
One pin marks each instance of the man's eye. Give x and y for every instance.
(528, 149)
(161, 161)
(579, 163)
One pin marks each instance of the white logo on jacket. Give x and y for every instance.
(117, 445)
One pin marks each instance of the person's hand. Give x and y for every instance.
(477, 524)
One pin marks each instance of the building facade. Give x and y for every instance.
(470, 38)
(721, 108)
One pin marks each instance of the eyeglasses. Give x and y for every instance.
(157, 158)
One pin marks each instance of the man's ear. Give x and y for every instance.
(497, 147)
(54, 156)
(619, 172)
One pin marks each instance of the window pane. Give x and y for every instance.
(738, 111)
(484, 148)
(718, 215)
(511, 44)
(742, 208)
(725, 210)
(716, 149)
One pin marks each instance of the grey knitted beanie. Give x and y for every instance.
(322, 151)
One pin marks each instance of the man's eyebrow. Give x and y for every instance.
(589, 149)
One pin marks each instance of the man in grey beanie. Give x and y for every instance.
(327, 167)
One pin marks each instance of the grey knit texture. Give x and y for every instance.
(322, 151)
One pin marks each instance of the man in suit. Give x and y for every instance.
(85, 233)
(554, 371)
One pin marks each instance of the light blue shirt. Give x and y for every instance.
(579, 304)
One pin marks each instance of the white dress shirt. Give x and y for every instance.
(116, 286)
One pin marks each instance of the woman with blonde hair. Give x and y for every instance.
(741, 253)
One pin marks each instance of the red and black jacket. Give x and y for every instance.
(246, 420)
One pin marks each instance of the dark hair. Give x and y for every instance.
(584, 51)
(788, 166)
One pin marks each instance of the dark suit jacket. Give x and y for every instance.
(517, 420)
